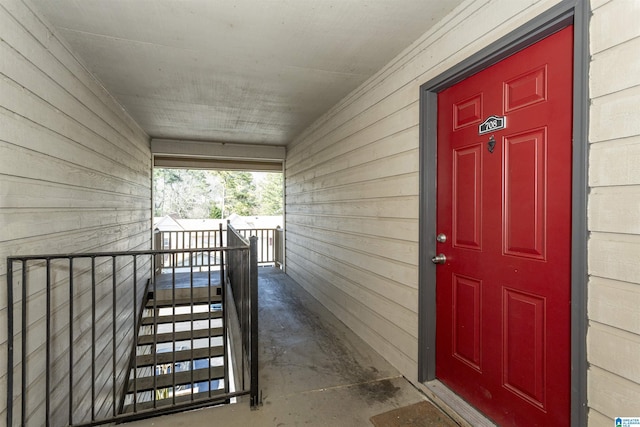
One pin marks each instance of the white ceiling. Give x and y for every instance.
(246, 71)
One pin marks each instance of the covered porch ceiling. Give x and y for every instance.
(236, 71)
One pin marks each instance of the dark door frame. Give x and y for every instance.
(567, 12)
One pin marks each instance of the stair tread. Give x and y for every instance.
(180, 356)
(216, 314)
(140, 406)
(181, 378)
(169, 302)
(179, 336)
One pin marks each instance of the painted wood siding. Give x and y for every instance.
(352, 185)
(75, 176)
(613, 340)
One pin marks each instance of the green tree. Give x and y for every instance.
(239, 193)
(215, 212)
(270, 196)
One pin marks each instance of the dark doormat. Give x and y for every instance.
(421, 414)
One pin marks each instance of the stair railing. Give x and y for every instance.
(242, 276)
(72, 321)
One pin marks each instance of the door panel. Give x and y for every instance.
(525, 194)
(466, 320)
(467, 193)
(503, 296)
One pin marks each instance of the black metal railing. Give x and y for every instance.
(198, 240)
(243, 282)
(74, 318)
(269, 246)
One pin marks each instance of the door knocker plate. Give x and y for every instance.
(491, 145)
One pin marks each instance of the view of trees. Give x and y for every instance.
(216, 194)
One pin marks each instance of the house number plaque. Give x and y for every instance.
(492, 123)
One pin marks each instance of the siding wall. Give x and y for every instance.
(352, 195)
(352, 185)
(74, 177)
(614, 212)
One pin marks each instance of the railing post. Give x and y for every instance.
(158, 245)
(278, 247)
(253, 283)
(10, 342)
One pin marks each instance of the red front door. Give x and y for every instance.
(504, 213)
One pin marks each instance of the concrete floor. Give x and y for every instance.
(313, 370)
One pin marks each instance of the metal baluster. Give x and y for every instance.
(113, 331)
(48, 355)
(253, 302)
(24, 344)
(209, 319)
(93, 338)
(241, 283)
(173, 302)
(10, 342)
(154, 349)
(226, 363)
(135, 333)
(192, 326)
(70, 340)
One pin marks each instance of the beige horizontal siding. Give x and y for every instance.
(613, 350)
(613, 23)
(352, 185)
(614, 163)
(615, 303)
(75, 176)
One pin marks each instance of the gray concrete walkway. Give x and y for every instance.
(314, 371)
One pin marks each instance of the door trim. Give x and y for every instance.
(567, 12)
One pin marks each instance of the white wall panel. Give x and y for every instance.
(75, 176)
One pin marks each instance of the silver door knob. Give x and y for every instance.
(439, 259)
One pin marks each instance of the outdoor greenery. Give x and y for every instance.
(216, 194)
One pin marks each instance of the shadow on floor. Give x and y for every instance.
(313, 369)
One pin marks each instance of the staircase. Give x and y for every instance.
(180, 351)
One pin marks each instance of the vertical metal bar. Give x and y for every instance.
(226, 363)
(113, 330)
(48, 350)
(173, 329)
(170, 245)
(93, 338)
(192, 326)
(222, 281)
(240, 280)
(209, 321)
(253, 280)
(70, 340)
(197, 262)
(182, 253)
(135, 333)
(156, 313)
(223, 306)
(24, 345)
(10, 342)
